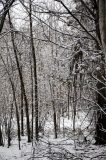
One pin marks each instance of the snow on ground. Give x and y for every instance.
(64, 149)
(13, 152)
(55, 149)
(48, 148)
(66, 125)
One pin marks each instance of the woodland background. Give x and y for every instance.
(52, 78)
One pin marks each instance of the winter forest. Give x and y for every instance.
(52, 80)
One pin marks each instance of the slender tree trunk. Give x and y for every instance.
(35, 72)
(32, 99)
(17, 113)
(54, 110)
(68, 104)
(1, 137)
(5, 12)
(22, 114)
(32, 107)
(9, 135)
(14, 99)
(22, 105)
(21, 79)
(55, 120)
(9, 126)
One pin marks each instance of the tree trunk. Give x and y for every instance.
(9, 126)
(32, 99)
(102, 23)
(17, 113)
(22, 114)
(15, 101)
(1, 137)
(35, 72)
(22, 106)
(3, 15)
(21, 80)
(55, 120)
(100, 136)
(101, 112)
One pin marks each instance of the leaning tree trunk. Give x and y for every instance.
(6, 8)
(101, 95)
(21, 79)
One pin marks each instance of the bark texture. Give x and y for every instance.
(102, 23)
(4, 13)
(101, 96)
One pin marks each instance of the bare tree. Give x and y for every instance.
(97, 11)
(21, 79)
(5, 8)
(35, 70)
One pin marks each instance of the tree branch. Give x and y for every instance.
(3, 16)
(84, 4)
(60, 1)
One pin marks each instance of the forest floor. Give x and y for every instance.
(72, 147)
(52, 149)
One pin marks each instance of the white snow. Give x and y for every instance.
(13, 151)
(69, 147)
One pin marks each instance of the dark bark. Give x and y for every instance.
(21, 80)
(100, 135)
(35, 73)
(22, 107)
(32, 98)
(17, 113)
(9, 136)
(22, 114)
(9, 127)
(32, 104)
(96, 18)
(99, 16)
(14, 99)
(1, 137)
(68, 104)
(54, 110)
(55, 120)
(5, 11)
(102, 23)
